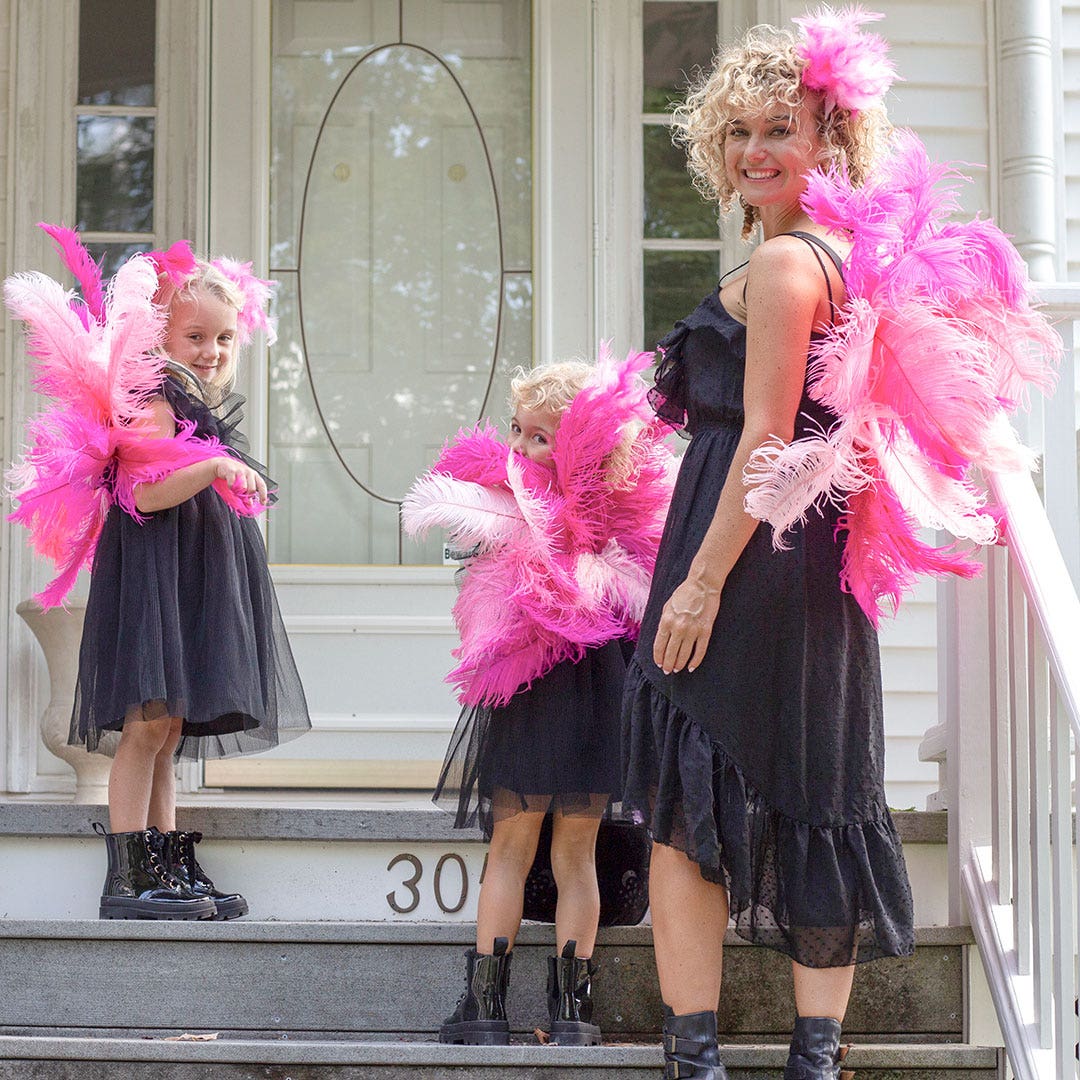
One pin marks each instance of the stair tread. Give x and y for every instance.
(360, 933)
(408, 822)
(273, 1051)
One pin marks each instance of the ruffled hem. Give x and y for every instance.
(827, 896)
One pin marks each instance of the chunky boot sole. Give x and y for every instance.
(230, 909)
(574, 1033)
(125, 907)
(476, 1033)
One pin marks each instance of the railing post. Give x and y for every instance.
(964, 644)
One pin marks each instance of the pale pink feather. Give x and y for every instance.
(470, 513)
(256, 292)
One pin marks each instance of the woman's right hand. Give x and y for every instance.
(686, 625)
(240, 478)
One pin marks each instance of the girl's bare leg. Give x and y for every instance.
(573, 862)
(502, 895)
(689, 918)
(131, 779)
(162, 812)
(822, 991)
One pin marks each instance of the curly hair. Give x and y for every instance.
(760, 71)
(549, 387)
(552, 387)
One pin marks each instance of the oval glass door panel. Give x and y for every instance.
(400, 226)
(399, 266)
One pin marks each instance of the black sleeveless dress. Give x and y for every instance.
(182, 621)
(765, 765)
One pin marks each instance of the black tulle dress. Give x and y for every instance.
(182, 621)
(765, 765)
(553, 746)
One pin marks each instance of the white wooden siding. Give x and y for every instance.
(1070, 56)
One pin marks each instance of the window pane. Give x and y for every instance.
(677, 39)
(115, 174)
(675, 282)
(110, 256)
(673, 207)
(116, 52)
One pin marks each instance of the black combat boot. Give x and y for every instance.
(815, 1052)
(480, 1016)
(181, 861)
(138, 884)
(570, 1003)
(690, 1050)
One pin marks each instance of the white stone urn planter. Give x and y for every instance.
(58, 631)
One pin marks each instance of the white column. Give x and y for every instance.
(1027, 108)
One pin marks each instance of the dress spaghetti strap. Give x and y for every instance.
(815, 243)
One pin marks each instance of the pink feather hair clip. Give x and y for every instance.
(256, 292)
(845, 63)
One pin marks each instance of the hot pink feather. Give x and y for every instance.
(570, 568)
(97, 441)
(848, 66)
(78, 260)
(938, 341)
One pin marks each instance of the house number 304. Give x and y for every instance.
(405, 897)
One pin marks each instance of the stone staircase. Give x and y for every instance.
(344, 997)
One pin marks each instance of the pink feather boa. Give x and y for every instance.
(96, 442)
(566, 556)
(938, 342)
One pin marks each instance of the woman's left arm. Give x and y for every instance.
(785, 293)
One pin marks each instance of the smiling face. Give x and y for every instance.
(532, 433)
(202, 335)
(768, 153)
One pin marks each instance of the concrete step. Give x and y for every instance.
(343, 979)
(53, 1058)
(363, 863)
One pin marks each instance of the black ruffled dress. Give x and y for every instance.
(766, 764)
(182, 620)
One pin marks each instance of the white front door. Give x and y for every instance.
(399, 203)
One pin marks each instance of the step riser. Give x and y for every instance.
(409, 987)
(413, 880)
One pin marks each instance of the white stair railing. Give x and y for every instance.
(1009, 662)
(1009, 688)
(1016, 865)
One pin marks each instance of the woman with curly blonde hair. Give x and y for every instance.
(753, 736)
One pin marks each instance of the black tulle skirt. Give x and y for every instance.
(182, 621)
(552, 747)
